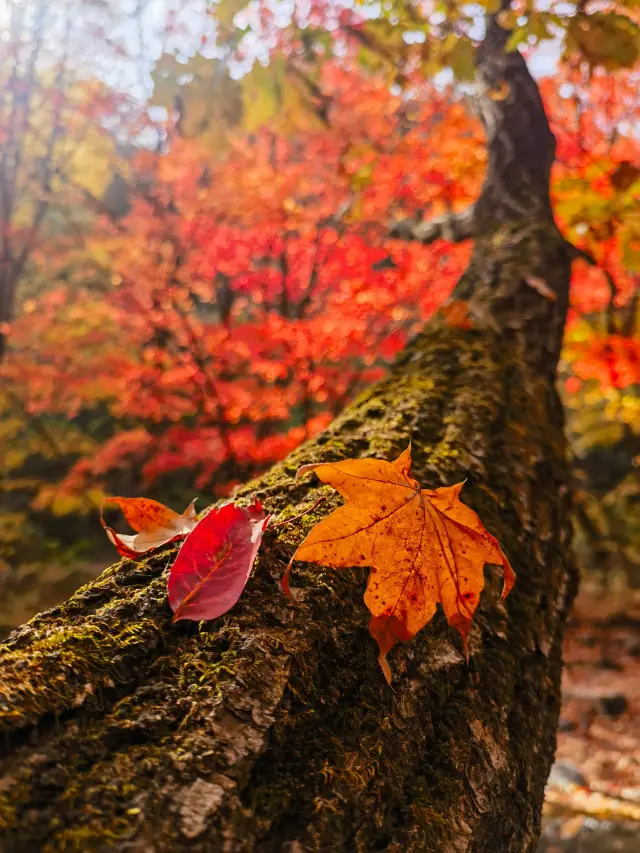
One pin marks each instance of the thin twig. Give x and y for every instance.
(300, 515)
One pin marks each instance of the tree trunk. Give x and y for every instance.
(272, 729)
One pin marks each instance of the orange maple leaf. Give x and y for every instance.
(423, 547)
(155, 525)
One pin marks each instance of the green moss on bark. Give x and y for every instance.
(273, 725)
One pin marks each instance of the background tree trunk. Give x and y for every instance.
(272, 729)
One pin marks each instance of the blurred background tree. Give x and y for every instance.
(211, 239)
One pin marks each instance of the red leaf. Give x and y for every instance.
(214, 564)
(154, 522)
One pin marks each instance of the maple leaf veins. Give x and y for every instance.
(423, 546)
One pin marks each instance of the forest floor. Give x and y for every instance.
(593, 794)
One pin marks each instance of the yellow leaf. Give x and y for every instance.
(606, 39)
(461, 59)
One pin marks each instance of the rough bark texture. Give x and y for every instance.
(272, 729)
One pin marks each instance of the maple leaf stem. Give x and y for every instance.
(300, 515)
(284, 583)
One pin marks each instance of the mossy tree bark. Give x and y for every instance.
(272, 729)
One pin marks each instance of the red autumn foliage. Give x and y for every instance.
(246, 297)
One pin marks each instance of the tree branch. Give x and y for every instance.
(455, 227)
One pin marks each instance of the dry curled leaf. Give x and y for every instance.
(215, 561)
(423, 546)
(155, 525)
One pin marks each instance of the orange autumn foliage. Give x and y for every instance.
(423, 546)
